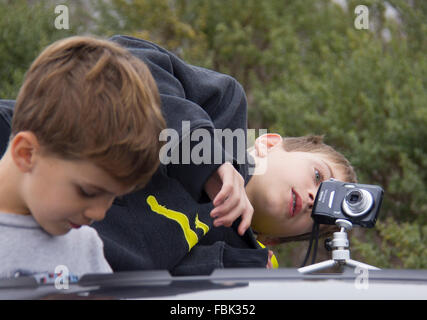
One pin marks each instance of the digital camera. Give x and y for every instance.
(357, 203)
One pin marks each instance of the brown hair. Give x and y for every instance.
(89, 99)
(315, 144)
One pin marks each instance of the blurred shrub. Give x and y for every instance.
(394, 245)
(26, 27)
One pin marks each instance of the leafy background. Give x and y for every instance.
(306, 70)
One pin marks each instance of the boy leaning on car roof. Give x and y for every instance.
(84, 130)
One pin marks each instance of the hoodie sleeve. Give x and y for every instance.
(202, 260)
(6, 112)
(199, 97)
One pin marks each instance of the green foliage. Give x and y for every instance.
(396, 245)
(26, 27)
(305, 69)
(160, 21)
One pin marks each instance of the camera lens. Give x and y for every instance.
(354, 197)
(357, 202)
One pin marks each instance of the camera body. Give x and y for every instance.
(357, 203)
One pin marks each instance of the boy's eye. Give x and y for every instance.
(85, 193)
(318, 176)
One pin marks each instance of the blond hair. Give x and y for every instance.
(89, 99)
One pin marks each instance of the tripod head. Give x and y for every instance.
(345, 225)
(340, 238)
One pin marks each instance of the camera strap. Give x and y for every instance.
(314, 236)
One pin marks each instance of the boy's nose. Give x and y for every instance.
(98, 210)
(311, 197)
(95, 213)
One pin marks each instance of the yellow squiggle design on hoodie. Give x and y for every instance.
(190, 236)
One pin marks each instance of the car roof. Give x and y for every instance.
(230, 284)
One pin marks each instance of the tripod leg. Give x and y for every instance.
(355, 264)
(317, 267)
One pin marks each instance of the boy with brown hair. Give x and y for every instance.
(284, 194)
(85, 129)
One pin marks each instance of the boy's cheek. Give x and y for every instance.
(55, 220)
(56, 229)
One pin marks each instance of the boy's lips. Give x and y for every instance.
(81, 222)
(295, 208)
(75, 226)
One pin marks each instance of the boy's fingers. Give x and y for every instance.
(231, 201)
(269, 263)
(226, 174)
(227, 206)
(246, 219)
(241, 209)
(232, 183)
(227, 217)
(223, 194)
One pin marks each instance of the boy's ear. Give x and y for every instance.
(266, 142)
(23, 149)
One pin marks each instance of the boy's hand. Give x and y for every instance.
(270, 263)
(226, 188)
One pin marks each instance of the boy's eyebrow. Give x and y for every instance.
(329, 168)
(99, 189)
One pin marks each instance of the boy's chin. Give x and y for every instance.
(57, 230)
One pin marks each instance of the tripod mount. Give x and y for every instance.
(340, 252)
